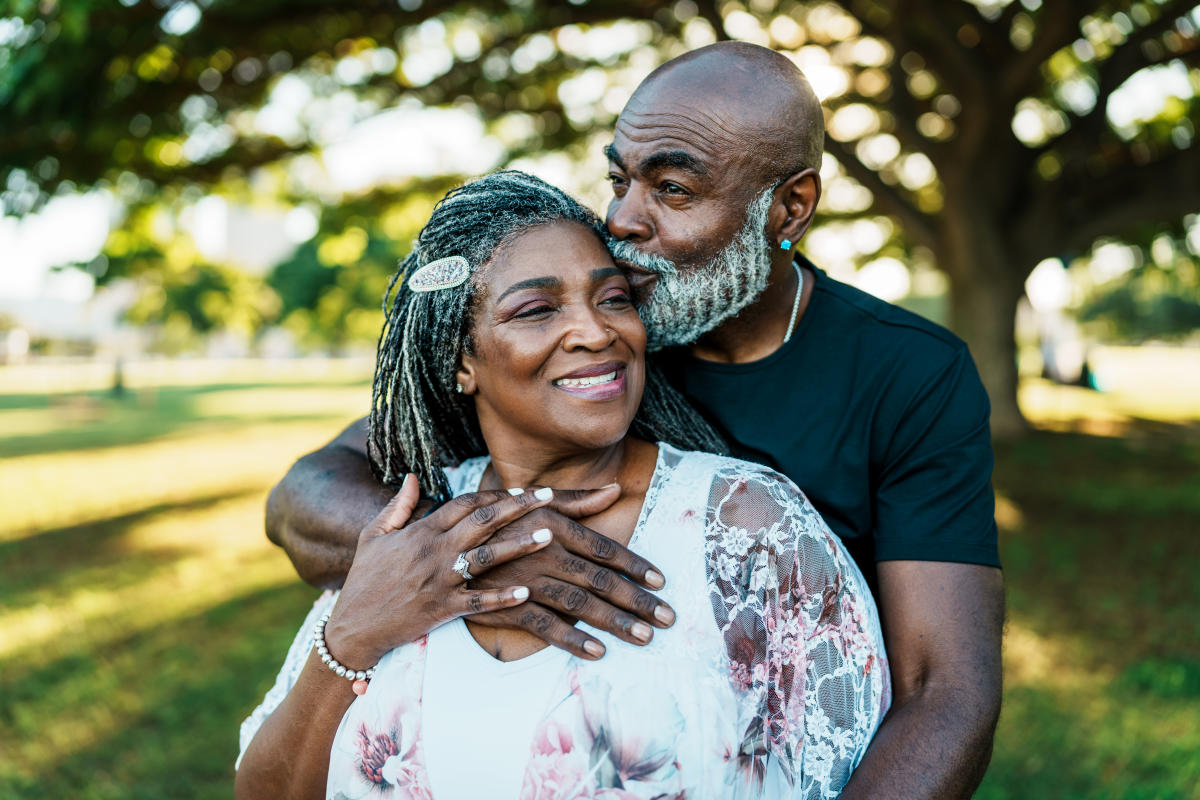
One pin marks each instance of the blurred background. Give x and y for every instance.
(203, 200)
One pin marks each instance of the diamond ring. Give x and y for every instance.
(461, 566)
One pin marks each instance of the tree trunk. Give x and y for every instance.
(984, 290)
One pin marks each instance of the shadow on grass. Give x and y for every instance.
(1115, 744)
(58, 561)
(175, 697)
(1100, 562)
(1106, 543)
(97, 419)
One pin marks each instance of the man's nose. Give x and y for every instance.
(627, 218)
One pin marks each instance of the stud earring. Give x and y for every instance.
(786, 244)
(458, 388)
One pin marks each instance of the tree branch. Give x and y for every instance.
(710, 10)
(1134, 195)
(1130, 57)
(1059, 27)
(918, 224)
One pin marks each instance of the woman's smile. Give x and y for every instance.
(599, 382)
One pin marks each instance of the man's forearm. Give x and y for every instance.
(317, 511)
(935, 745)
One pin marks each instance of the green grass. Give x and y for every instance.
(143, 613)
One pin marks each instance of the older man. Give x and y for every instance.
(877, 414)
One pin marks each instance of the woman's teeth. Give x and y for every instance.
(610, 376)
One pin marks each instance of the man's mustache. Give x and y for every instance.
(641, 281)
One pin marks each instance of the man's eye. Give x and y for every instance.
(669, 187)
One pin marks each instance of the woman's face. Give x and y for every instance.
(558, 361)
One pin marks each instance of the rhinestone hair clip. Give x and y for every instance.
(445, 273)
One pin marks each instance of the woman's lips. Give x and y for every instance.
(596, 387)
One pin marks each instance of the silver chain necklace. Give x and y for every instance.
(796, 302)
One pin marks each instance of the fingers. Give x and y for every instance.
(476, 601)
(576, 503)
(609, 585)
(485, 518)
(396, 513)
(547, 626)
(500, 551)
(579, 602)
(585, 542)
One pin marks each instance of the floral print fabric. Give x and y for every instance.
(770, 684)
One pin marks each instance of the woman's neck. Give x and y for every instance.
(520, 466)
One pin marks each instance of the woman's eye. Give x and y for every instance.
(618, 299)
(534, 311)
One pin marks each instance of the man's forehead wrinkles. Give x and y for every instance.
(697, 123)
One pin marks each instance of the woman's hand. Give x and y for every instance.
(402, 585)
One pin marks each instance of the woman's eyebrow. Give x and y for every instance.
(531, 283)
(604, 273)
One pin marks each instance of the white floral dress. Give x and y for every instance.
(769, 685)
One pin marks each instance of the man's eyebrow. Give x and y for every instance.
(611, 154)
(604, 273)
(676, 159)
(531, 283)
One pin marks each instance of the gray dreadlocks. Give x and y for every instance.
(418, 423)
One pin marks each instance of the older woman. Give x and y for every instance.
(512, 356)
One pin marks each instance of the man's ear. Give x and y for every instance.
(798, 196)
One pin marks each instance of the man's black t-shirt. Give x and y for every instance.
(877, 414)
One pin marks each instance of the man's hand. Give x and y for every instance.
(942, 626)
(583, 575)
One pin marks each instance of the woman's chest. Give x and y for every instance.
(448, 721)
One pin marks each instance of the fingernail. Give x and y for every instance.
(655, 579)
(611, 485)
(515, 492)
(664, 615)
(541, 535)
(593, 648)
(544, 493)
(640, 631)
(520, 593)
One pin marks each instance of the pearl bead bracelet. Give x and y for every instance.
(358, 678)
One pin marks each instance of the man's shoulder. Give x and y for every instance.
(879, 322)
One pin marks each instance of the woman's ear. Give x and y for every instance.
(466, 376)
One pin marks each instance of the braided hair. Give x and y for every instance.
(418, 423)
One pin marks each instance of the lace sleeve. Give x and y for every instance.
(802, 635)
(288, 673)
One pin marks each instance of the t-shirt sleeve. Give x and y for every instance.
(293, 665)
(934, 500)
(805, 649)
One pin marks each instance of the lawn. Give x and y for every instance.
(143, 613)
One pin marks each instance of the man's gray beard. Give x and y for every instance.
(688, 303)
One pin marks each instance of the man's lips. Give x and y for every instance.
(640, 280)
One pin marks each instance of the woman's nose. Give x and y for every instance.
(590, 331)
(627, 217)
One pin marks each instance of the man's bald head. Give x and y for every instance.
(751, 95)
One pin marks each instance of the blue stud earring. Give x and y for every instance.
(786, 244)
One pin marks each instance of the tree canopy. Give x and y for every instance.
(994, 134)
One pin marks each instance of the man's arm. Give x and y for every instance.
(319, 508)
(942, 626)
